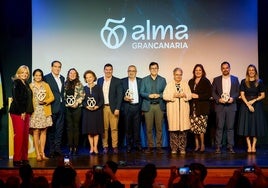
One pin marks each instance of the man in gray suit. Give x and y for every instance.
(225, 91)
(153, 105)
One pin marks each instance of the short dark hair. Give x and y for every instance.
(225, 62)
(56, 61)
(153, 63)
(108, 65)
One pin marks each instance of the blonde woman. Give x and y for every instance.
(41, 118)
(251, 121)
(20, 111)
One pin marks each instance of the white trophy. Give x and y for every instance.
(179, 88)
(70, 100)
(225, 97)
(129, 93)
(41, 95)
(91, 102)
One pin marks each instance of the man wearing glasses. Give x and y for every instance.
(153, 106)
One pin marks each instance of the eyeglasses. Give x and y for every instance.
(131, 71)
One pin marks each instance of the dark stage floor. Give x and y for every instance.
(139, 159)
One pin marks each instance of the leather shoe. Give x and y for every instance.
(218, 150)
(128, 150)
(115, 150)
(148, 151)
(105, 150)
(159, 150)
(230, 150)
(139, 148)
(17, 163)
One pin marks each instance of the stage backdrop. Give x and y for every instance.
(174, 33)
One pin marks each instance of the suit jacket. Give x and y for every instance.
(217, 91)
(58, 102)
(125, 104)
(115, 92)
(146, 86)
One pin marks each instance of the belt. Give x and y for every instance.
(154, 103)
(135, 104)
(106, 104)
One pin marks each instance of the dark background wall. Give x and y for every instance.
(15, 50)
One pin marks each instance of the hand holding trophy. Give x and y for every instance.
(129, 95)
(70, 100)
(91, 103)
(41, 95)
(225, 97)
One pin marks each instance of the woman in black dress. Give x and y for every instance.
(92, 117)
(251, 121)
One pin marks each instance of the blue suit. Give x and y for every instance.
(225, 113)
(132, 116)
(55, 132)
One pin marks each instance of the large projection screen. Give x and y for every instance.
(87, 34)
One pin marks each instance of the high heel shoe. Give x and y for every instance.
(96, 151)
(38, 157)
(71, 151)
(196, 149)
(202, 149)
(253, 150)
(75, 151)
(43, 157)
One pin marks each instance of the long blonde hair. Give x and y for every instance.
(256, 76)
(20, 70)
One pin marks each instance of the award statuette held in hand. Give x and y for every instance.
(129, 94)
(70, 100)
(225, 97)
(41, 95)
(91, 102)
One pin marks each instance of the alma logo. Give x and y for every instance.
(148, 36)
(114, 37)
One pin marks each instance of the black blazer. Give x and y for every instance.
(21, 98)
(58, 103)
(115, 92)
(125, 104)
(204, 91)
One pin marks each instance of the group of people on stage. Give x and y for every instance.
(49, 100)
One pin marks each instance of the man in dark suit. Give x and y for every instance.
(153, 105)
(225, 91)
(131, 108)
(56, 83)
(113, 95)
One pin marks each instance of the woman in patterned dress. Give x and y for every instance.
(199, 105)
(41, 118)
